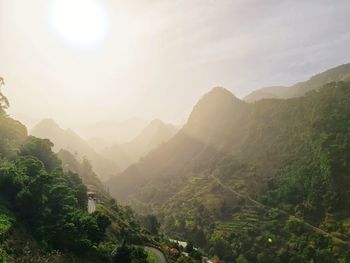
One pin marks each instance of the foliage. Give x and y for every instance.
(48, 203)
(273, 170)
(83, 168)
(151, 257)
(184, 259)
(43, 215)
(150, 223)
(4, 103)
(132, 254)
(41, 149)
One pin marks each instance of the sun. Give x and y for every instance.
(80, 23)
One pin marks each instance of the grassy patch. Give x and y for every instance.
(151, 257)
(6, 221)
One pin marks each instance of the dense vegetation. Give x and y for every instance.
(68, 140)
(263, 182)
(339, 73)
(43, 215)
(71, 162)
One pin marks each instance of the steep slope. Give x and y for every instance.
(240, 173)
(274, 92)
(207, 134)
(85, 170)
(69, 140)
(114, 132)
(12, 135)
(339, 73)
(43, 215)
(155, 133)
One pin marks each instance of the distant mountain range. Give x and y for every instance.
(43, 202)
(155, 133)
(339, 73)
(238, 173)
(106, 160)
(70, 141)
(207, 135)
(214, 129)
(112, 132)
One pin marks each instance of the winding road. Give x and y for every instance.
(159, 254)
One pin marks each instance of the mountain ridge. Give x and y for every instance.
(195, 140)
(274, 150)
(338, 73)
(67, 139)
(154, 134)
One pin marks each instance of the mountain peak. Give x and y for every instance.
(214, 111)
(156, 122)
(153, 127)
(220, 90)
(217, 97)
(46, 124)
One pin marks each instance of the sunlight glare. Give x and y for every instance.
(80, 23)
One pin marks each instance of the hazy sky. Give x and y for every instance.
(81, 61)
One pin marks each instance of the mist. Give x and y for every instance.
(174, 131)
(155, 60)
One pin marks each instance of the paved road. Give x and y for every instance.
(160, 255)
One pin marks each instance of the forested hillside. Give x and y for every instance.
(154, 134)
(84, 168)
(262, 182)
(339, 73)
(43, 207)
(70, 141)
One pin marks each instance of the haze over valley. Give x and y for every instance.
(174, 131)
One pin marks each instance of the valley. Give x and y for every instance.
(174, 131)
(234, 175)
(204, 178)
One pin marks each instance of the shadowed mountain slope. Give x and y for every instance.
(243, 171)
(70, 141)
(154, 134)
(339, 73)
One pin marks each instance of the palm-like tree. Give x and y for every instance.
(4, 102)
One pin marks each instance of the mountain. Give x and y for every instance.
(339, 73)
(203, 135)
(98, 144)
(155, 133)
(273, 92)
(114, 132)
(260, 182)
(70, 141)
(70, 163)
(43, 206)
(28, 121)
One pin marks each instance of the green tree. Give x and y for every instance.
(184, 259)
(151, 223)
(4, 102)
(41, 149)
(241, 259)
(132, 254)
